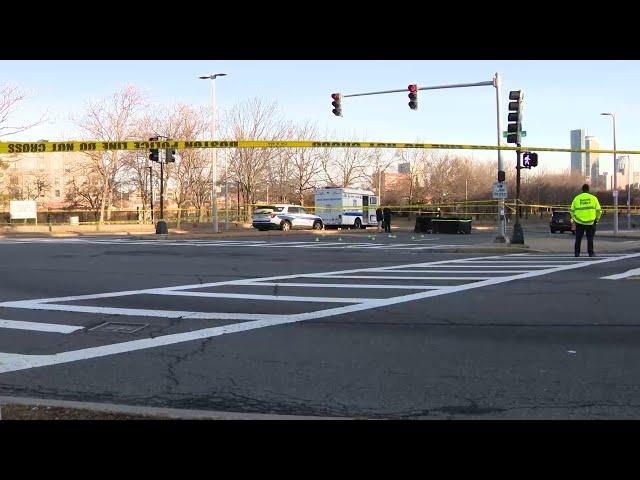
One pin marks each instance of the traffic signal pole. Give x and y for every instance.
(151, 190)
(161, 226)
(518, 233)
(495, 82)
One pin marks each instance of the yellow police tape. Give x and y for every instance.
(101, 146)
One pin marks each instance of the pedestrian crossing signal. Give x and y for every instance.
(529, 159)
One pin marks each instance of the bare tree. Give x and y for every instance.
(110, 119)
(253, 120)
(10, 98)
(381, 160)
(346, 167)
(28, 186)
(84, 188)
(176, 122)
(305, 162)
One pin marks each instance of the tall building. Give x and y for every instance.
(592, 161)
(578, 158)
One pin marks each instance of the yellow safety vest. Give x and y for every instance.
(585, 209)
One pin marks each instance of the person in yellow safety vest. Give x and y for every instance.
(586, 212)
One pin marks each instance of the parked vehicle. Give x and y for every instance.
(350, 207)
(561, 221)
(285, 217)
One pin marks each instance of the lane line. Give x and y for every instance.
(283, 298)
(39, 327)
(142, 312)
(453, 271)
(396, 277)
(628, 273)
(258, 283)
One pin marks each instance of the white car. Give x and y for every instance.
(285, 217)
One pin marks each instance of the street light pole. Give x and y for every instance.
(629, 192)
(615, 176)
(214, 152)
(502, 227)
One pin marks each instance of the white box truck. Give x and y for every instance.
(346, 207)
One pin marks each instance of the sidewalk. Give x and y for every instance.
(21, 408)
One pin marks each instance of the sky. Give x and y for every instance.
(560, 95)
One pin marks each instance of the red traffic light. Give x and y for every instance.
(413, 88)
(337, 104)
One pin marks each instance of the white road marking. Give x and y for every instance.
(454, 271)
(39, 327)
(628, 273)
(143, 312)
(12, 362)
(282, 298)
(234, 243)
(389, 277)
(257, 283)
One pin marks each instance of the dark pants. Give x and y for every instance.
(387, 225)
(590, 230)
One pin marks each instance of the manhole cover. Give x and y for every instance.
(119, 327)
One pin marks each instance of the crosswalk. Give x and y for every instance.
(373, 242)
(239, 305)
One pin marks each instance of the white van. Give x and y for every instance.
(349, 207)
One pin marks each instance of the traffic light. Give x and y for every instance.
(337, 104)
(529, 159)
(514, 127)
(171, 155)
(154, 154)
(413, 96)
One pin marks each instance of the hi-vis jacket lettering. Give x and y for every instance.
(585, 209)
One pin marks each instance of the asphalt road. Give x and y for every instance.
(431, 335)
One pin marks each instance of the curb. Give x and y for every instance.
(171, 413)
(473, 249)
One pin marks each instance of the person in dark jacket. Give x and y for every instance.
(386, 214)
(379, 218)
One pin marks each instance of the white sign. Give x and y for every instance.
(615, 193)
(499, 190)
(21, 209)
